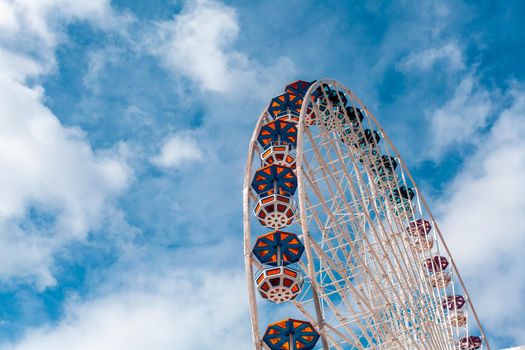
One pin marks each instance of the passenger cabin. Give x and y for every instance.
(279, 284)
(400, 198)
(291, 334)
(455, 307)
(438, 277)
(470, 343)
(285, 105)
(278, 248)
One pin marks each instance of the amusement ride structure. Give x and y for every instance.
(335, 226)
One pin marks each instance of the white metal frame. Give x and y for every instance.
(365, 280)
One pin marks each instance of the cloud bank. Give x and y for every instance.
(176, 310)
(54, 187)
(482, 218)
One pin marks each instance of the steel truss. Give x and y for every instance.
(366, 287)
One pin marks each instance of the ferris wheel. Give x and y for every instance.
(339, 240)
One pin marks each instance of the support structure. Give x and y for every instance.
(376, 272)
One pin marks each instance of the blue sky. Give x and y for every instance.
(124, 131)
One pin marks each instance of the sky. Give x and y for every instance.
(124, 128)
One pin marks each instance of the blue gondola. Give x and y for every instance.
(291, 334)
(278, 131)
(278, 248)
(285, 104)
(298, 87)
(274, 179)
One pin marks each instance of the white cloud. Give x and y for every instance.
(482, 216)
(449, 53)
(41, 19)
(179, 149)
(7, 16)
(25, 257)
(173, 311)
(459, 119)
(54, 188)
(199, 44)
